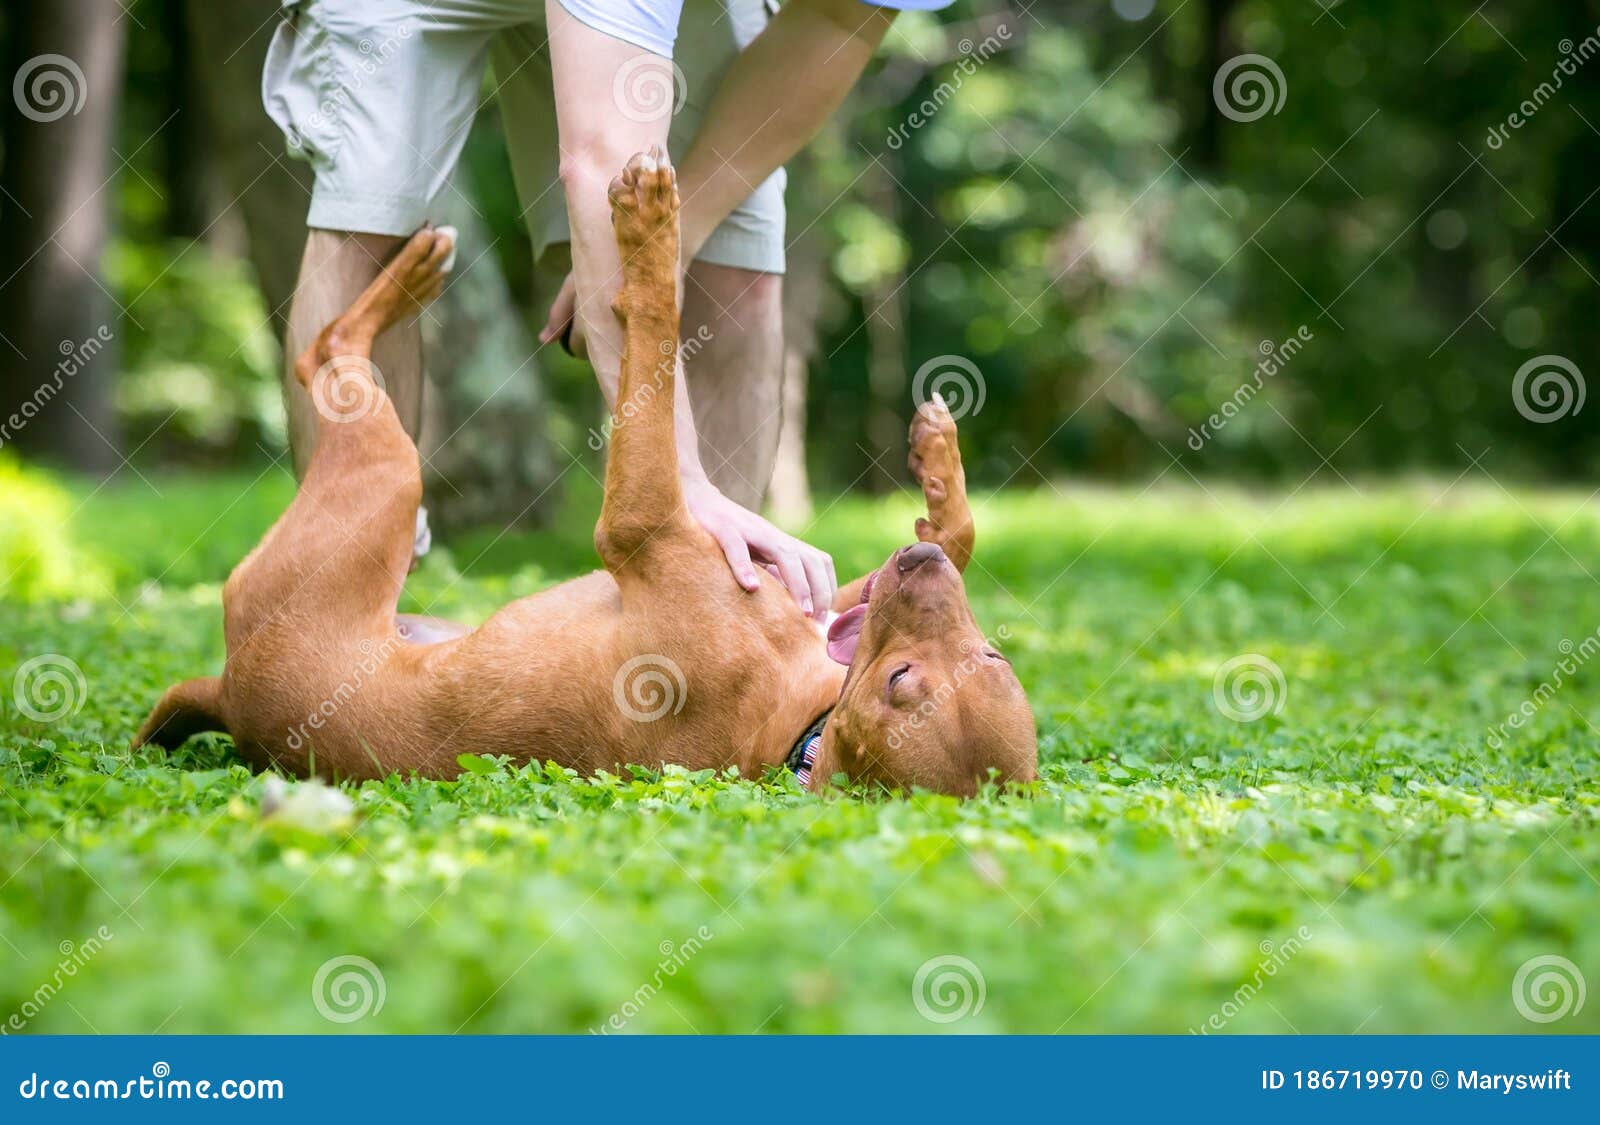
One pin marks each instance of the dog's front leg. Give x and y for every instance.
(643, 496)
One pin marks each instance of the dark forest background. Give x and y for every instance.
(1072, 215)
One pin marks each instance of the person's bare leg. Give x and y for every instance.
(597, 138)
(334, 270)
(733, 357)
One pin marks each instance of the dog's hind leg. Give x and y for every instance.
(344, 546)
(935, 461)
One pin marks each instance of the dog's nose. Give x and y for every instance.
(915, 555)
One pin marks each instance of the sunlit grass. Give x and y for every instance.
(1133, 889)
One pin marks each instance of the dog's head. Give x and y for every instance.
(928, 701)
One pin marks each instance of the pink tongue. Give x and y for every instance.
(845, 632)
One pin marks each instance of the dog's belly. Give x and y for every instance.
(703, 681)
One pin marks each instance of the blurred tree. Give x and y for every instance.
(486, 440)
(64, 66)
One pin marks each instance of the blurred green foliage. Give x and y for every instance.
(1075, 218)
(201, 367)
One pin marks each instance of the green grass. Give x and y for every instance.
(1131, 890)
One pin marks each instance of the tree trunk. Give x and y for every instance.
(886, 346)
(185, 147)
(1215, 44)
(805, 286)
(268, 191)
(57, 325)
(487, 456)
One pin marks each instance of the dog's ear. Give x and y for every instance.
(185, 710)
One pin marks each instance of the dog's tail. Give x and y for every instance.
(187, 709)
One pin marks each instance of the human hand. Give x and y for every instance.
(748, 541)
(562, 317)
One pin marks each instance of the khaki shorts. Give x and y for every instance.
(379, 98)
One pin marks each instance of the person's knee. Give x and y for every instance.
(737, 306)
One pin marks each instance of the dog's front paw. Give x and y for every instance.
(644, 201)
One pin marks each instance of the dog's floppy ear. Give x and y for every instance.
(185, 710)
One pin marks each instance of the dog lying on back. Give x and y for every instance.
(659, 658)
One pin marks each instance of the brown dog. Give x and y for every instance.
(659, 658)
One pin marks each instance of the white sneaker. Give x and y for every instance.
(424, 537)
